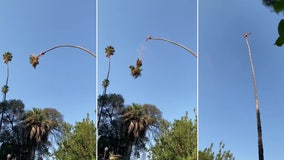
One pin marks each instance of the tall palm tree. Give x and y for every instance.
(109, 51)
(137, 120)
(259, 130)
(39, 124)
(7, 57)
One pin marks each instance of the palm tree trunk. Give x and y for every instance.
(108, 71)
(32, 152)
(128, 151)
(4, 98)
(259, 130)
(104, 92)
(173, 42)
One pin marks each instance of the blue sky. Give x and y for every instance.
(226, 97)
(169, 72)
(65, 78)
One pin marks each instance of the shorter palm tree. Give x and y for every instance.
(39, 124)
(137, 120)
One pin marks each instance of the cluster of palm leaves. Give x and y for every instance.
(34, 60)
(109, 50)
(7, 57)
(136, 71)
(5, 89)
(124, 129)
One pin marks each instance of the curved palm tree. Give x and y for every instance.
(34, 59)
(173, 42)
(259, 130)
(137, 120)
(38, 125)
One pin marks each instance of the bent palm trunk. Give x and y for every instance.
(259, 130)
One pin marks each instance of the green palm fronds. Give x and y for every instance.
(7, 57)
(109, 50)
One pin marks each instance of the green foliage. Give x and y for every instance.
(138, 118)
(78, 142)
(18, 137)
(11, 131)
(5, 89)
(178, 141)
(280, 40)
(124, 130)
(278, 7)
(208, 154)
(105, 83)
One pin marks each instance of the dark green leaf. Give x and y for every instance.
(278, 6)
(281, 28)
(279, 42)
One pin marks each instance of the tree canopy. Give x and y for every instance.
(278, 7)
(78, 142)
(178, 141)
(124, 130)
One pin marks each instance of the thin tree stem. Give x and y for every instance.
(4, 98)
(175, 43)
(259, 130)
(108, 72)
(104, 93)
(68, 45)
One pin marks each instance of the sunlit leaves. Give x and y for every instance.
(5, 89)
(34, 60)
(78, 142)
(7, 57)
(136, 71)
(177, 140)
(139, 62)
(138, 119)
(280, 40)
(105, 83)
(109, 50)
